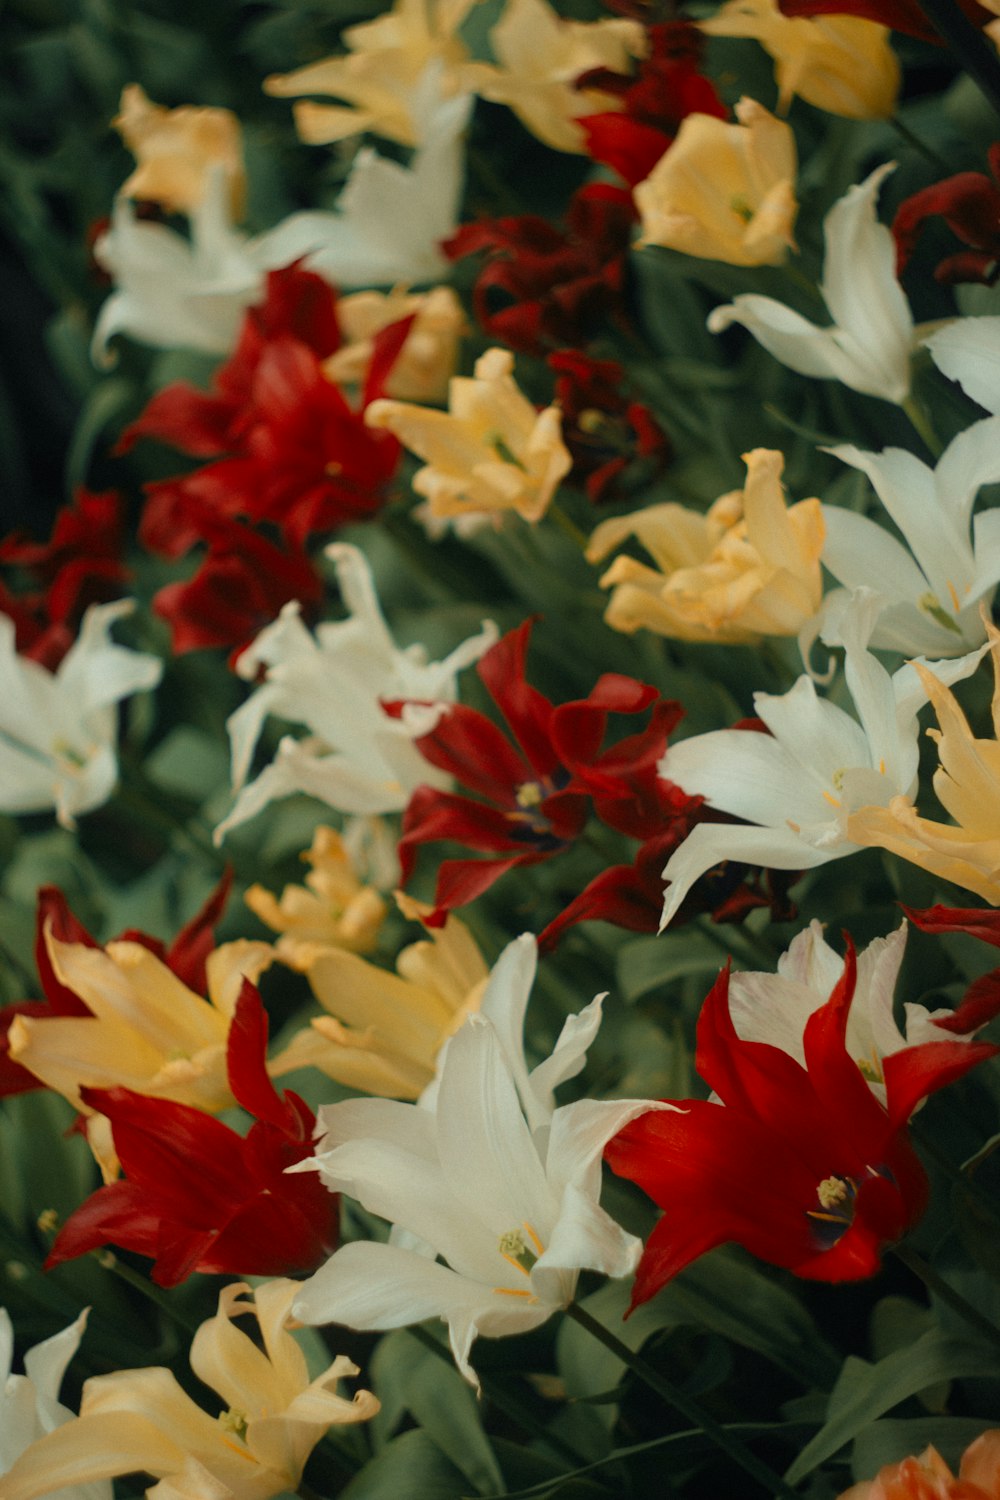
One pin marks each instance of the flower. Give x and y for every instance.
(616, 444)
(796, 1161)
(198, 1197)
(491, 451)
(928, 1477)
(748, 568)
(968, 351)
(969, 203)
(177, 149)
(488, 1176)
(141, 1420)
(931, 599)
(541, 56)
(966, 784)
(901, 15)
(382, 1032)
(724, 192)
(801, 783)
(332, 910)
(868, 346)
(838, 63)
(357, 757)
(58, 729)
(425, 363)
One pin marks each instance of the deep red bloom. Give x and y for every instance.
(542, 286)
(288, 447)
(901, 15)
(981, 1002)
(538, 788)
(666, 89)
(197, 1196)
(969, 203)
(801, 1165)
(604, 431)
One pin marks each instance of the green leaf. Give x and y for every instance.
(653, 963)
(411, 1464)
(888, 1441)
(189, 762)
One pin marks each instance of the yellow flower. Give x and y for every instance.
(382, 1032)
(142, 1421)
(176, 149)
(380, 76)
(748, 568)
(427, 360)
(333, 907)
(147, 1031)
(724, 192)
(541, 55)
(966, 783)
(839, 63)
(492, 451)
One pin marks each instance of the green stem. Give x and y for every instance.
(922, 423)
(913, 140)
(577, 537)
(688, 1408)
(921, 1268)
(969, 45)
(166, 1305)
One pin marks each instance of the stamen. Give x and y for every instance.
(514, 1291)
(832, 1191)
(514, 1250)
(833, 801)
(954, 597)
(529, 794)
(931, 605)
(233, 1421)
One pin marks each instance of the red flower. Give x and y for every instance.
(542, 286)
(603, 430)
(901, 15)
(197, 1196)
(801, 1165)
(969, 203)
(667, 88)
(981, 1002)
(537, 792)
(289, 449)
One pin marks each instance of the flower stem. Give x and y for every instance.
(913, 140)
(577, 537)
(968, 44)
(108, 1261)
(922, 423)
(690, 1409)
(921, 1268)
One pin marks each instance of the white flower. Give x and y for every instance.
(487, 1174)
(968, 351)
(868, 346)
(30, 1405)
(58, 729)
(800, 783)
(357, 758)
(930, 599)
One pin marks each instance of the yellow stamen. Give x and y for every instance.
(832, 1191)
(529, 794)
(954, 597)
(513, 1291)
(534, 1238)
(833, 801)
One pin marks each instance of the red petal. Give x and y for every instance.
(527, 712)
(977, 921)
(914, 1072)
(466, 745)
(246, 1063)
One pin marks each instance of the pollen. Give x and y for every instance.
(233, 1421)
(515, 1248)
(832, 1192)
(529, 794)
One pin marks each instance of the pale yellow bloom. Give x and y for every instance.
(147, 1031)
(966, 783)
(842, 64)
(142, 1420)
(333, 907)
(382, 1032)
(491, 451)
(177, 149)
(724, 192)
(540, 56)
(748, 568)
(380, 76)
(427, 360)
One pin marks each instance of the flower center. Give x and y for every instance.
(529, 794)
(233, 1421)
(517, 1252)
(931, 605)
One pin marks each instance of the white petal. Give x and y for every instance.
(860, 553)
(709, 844)
(585, 1237)
(968, 351)
(786, 334)
(568, 1056)
(741, 772)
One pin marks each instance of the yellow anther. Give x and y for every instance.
(529, 794)
(832, 1192)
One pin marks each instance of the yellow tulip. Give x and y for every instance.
(748, 568)
(176, 149)
(382, 1032)
(966, 783)
(724, 192)
(839, 63)
(332, 908)
(141, 1421)
(427, 359)
(491, 451)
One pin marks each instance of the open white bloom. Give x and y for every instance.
(774, 1008)
(800, 783)
(30, 1405)
(968, 351)
(485, 1174)
(58, 729)
(930, 594)
(868, 345)
(357, 757)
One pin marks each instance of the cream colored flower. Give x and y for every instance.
(966, 783)
(176, 149)
(724, 192)
(427, 360)
(839, 63)
(748, 568)
(382, 1032)
(142, 1421)
(332, 908)
(491, 451)
(380, 76)
(540, 56)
